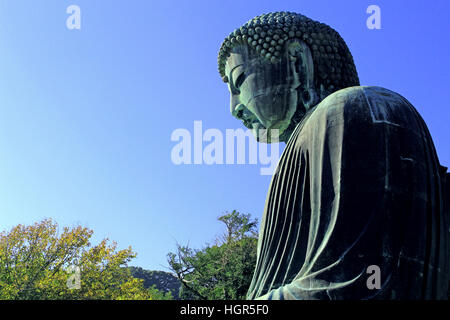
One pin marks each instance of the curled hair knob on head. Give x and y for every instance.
(266, 34)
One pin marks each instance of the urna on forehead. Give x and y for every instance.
(267, 34)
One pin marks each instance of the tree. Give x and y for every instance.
(163, 281)
(222, 271)
(36, 262)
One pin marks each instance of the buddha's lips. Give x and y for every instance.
(252, 118)
(257, 125)
(250, 122)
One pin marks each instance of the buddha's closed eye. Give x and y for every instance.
(240, 80)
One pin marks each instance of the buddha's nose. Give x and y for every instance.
(238, 111)
(234, 104)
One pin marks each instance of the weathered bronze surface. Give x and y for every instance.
(359, 183)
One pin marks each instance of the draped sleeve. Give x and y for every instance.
(359, 184)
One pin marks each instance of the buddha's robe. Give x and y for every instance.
(359, 184)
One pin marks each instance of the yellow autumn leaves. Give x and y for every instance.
(39, 262)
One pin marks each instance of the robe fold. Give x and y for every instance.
(355, 208)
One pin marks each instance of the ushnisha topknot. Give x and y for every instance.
(266, 34)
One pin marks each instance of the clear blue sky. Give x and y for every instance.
(86, 115)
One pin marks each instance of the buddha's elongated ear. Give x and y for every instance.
(302, 71)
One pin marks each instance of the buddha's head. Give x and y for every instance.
(279, 65)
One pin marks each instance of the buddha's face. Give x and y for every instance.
(263, 94)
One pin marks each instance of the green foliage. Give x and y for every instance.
(34, 261)
(166, 283)
(222, 271)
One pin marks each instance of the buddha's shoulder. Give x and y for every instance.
(361, 95)
(369, 103)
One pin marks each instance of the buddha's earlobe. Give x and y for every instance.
(302, 72)
(294, 54)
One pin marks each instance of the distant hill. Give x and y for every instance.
(163, 281)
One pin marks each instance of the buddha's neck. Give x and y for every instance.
(296, 120)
